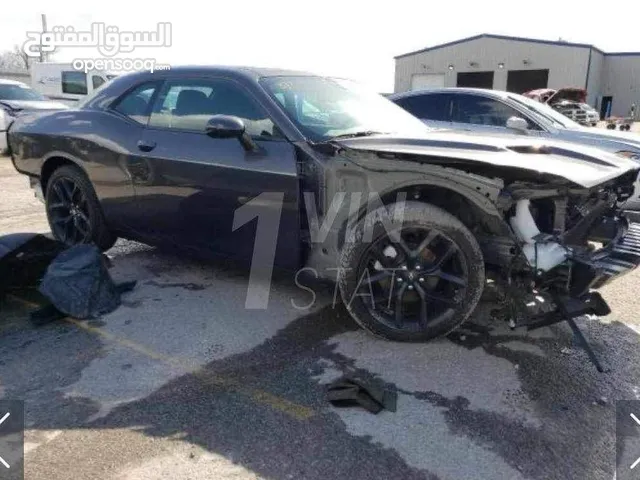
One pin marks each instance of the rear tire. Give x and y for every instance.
(436, 280)
(73, 210)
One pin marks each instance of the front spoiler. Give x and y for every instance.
(620, 256)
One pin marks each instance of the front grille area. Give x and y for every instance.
(625, 253)
(612, 261)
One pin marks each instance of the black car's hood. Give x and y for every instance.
(581, 165)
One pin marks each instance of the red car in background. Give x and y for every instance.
(571, 102)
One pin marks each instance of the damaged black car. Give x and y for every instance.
(305, 172)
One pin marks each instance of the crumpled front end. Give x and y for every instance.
(621, 255)
(558, 204)
(570, 242)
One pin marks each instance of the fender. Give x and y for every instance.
(363, 187)
(54, 160)
(484, 197)
(59, 157)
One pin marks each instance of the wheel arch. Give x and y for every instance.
(473, 208)
(52, 162)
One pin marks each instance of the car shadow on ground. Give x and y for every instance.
(486, 402)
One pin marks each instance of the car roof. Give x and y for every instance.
(250, 73)
(476, 91)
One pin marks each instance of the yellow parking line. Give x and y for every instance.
(294, 410)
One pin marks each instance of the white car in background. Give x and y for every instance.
(569, 101)
(17, 98)
(61, 81)
(581, 113)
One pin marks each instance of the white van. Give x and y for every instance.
(60, 81)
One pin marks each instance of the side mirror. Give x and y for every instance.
(224, 126)
(228, 126)
(518, 124)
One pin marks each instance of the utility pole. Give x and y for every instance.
(43, 56)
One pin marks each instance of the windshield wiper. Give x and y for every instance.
(364, 133)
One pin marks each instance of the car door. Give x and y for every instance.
(434, 109)
(107, 141)
(196, 191)
(480, 113)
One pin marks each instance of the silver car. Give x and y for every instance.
(17, 98)
(497, 112)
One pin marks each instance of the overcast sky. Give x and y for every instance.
(353, 39)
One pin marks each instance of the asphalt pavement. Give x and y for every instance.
(183, 382)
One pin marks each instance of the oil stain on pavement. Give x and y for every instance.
(185, 379)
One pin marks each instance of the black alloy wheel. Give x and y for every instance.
(68, 212)
(413, 278)
(414, 283)
(73, 210)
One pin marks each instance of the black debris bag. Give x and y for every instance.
(357, 392)
(24, 258)
(77, 283)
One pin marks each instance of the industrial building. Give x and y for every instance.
(612, 80)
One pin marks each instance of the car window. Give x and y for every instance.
(479, 110)
(325, 108)
(434, 106)
(97, 81)
(136, 103)
(544, 112)
(74, 82)
(189, 104)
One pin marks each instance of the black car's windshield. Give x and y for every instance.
(325, 108)
(10, 91)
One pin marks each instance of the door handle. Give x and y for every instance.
(146, 146)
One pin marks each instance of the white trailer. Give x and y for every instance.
(60, 81)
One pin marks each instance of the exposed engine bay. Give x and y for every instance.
(570, 243)
(554, 227)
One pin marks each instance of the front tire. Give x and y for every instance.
(418, 282)
(73, 210)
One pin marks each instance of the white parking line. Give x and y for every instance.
(6, 415)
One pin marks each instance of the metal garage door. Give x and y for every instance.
(424, 81)
(475, 79)
(520, 81)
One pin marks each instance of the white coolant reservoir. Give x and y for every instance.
(541, 255)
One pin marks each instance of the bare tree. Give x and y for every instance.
(15, 59)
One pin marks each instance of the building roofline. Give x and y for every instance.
(622, 54)
(442, 45)
(517, 39)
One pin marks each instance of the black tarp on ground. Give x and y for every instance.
(24, 258)
(78, 283)
(75, 280)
